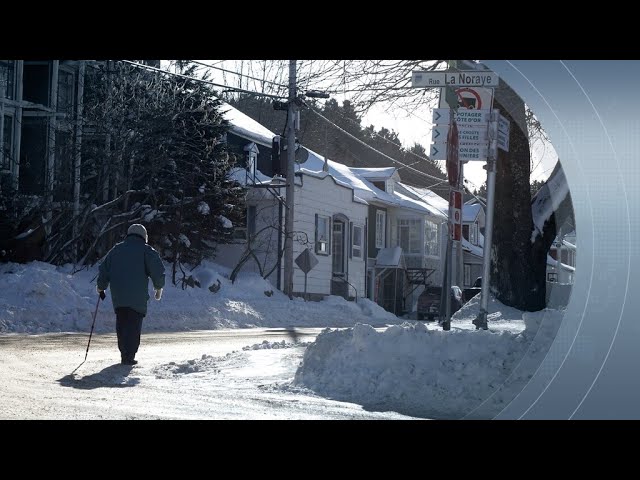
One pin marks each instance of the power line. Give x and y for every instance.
(420, 158)
(148, 67)
(239, 74)
(370, 147)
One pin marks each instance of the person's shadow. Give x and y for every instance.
(113, 376)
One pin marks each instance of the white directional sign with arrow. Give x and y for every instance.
(465, 134)
(503, 133)
(463, 117)
(471, 152)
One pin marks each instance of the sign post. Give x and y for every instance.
(468, 130)
(306, 261)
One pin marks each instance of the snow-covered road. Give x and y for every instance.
(186, 375)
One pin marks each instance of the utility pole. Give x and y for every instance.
(291, 152)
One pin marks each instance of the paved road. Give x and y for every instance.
(192, 375)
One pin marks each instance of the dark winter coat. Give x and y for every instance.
(127, 267)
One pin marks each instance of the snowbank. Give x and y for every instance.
(40, 298)
(422, 371)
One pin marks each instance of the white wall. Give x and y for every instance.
(325, 197)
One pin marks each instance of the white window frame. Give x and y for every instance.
(431, 242)
(473, 234)
(323, 247)
(390, 187)
(354, 246)
(467, 274)
(381, 228)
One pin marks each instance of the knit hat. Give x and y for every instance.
(137, 229)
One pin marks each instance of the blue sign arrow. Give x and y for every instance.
(436, 115)
(436, 133)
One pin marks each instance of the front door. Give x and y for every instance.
(338, 277)
(338, 248)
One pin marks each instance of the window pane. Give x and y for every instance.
(7, 69)
(65, 92)
(7, 136)
(356, 242)
(251, 219)
(431, 239)
(380, 228)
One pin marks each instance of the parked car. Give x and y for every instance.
(429, 302)
(472, 291)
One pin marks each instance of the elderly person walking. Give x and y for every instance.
(127, 268)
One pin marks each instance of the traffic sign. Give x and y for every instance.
(464, 117)
(455, 214)
(465, 134)
(468, 152)
(474, 98)
(451, 78)
(503, 133)
(503, 125)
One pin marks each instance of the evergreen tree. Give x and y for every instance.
(153, 153)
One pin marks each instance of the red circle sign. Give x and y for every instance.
(465, 103)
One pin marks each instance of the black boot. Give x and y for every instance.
(128, 360)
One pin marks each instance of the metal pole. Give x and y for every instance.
(92, 325)
(305, 286)
(460, 259)
(291, 145)
(481, 320)
(446, 295)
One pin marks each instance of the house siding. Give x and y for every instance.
(322, 196)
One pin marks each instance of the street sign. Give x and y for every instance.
(463, 117)
(503, 125)
(455, 214)
(468, 152)
(465, 134)
(306, 261)
(472, 98)
(453, 162)
(503, 142)
(503, 133)
(450, 78)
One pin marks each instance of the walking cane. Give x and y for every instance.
(100, 297)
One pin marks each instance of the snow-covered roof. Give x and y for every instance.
(323, 175)
(470, 212)
(375, 173)
(433, 200)
(474, 249)
(246, 127)
(389, 257)
(548, 199)
(243, 177)
(354, 178)
(363, 187)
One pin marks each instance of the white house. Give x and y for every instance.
(329, 219)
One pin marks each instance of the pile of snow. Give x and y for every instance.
(422, 371)
(38, 298)
(266, 345)
(207, 363)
